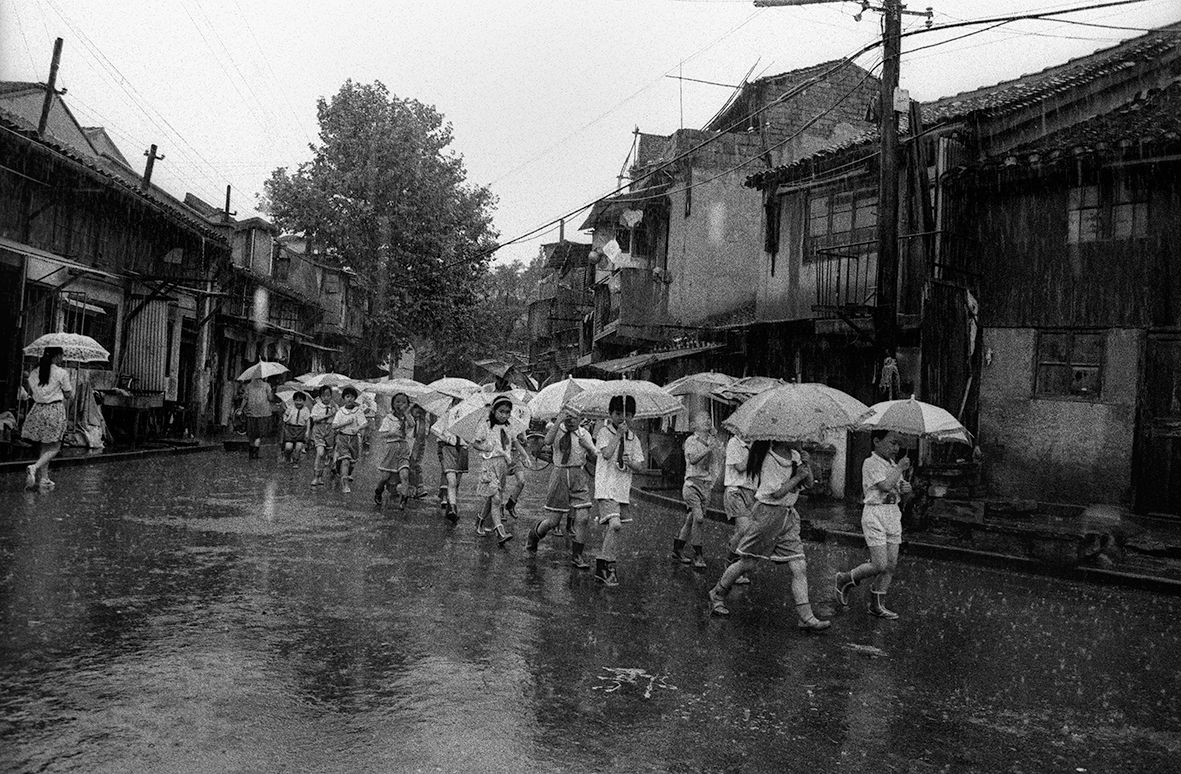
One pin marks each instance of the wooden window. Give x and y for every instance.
(839, 220)
(633, 241)
(1070, 364)
(1117, 208)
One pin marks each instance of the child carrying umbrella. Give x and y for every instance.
(348, 423)
(495, 442)
(699, 448)
(396, 430)
(620, 455)
(569, 492)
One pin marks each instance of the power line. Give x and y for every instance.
(274, 78)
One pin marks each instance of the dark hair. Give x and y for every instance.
(349, 390)
(394, 397)
(299, 394)
(498, 401)
(878, 435)
(625, 404)
(325, 387)
(45, 363)
(754, 459)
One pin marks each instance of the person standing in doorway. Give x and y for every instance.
(881, 522)
(620, 455)
(49, 385)
(258, 413)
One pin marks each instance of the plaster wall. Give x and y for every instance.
(1057, 450)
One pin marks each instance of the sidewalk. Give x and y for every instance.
(74, 456)
(1097, 545)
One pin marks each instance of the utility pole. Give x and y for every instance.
(886, 306)
(50, 93)
(146, 183)
(226, 214)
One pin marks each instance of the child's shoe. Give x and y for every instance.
(503, 536)
(379, 496)
(344, 486)
(600, 570)
(402, 502)
(877, 606)
(813, 624)
(679, 552)
(510, 508)
(532, 539)
(717, 602)
(452, 515)
(611, 581)
(480, 529)
(843, 582)
(576, 558)
(742, 580)
(698, 560)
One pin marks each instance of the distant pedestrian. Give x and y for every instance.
(296, 421)
(738, 497)
(50, 386)
(396, 431)
(569, 487)
(883, 486)
(774, 531)
(620, 455)
(320, 432)
(453, 463)
(348, 424)
(699, 448)
(495, 444)
(259, 410)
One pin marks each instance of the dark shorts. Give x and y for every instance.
(774, 534)
(257, 427)
(568, 488)
(294, 434)
(322, 436)
(453, 459)
(347, 447)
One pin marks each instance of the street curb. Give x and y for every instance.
(958, 554)
(94, 459)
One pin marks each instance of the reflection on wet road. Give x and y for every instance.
(209, 613)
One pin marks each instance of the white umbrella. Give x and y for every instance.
(413, 390)
(74, 347)
(913, 417)
(454, 386)
(652, 401)
(548, 403)
(468, 417)
(319, 380)
(263, 369)
(705, 383)
(794, 412)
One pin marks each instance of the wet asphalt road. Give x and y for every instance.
(210, 613)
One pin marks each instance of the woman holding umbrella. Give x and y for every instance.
(49, 385)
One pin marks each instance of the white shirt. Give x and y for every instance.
(349, 421)
(611, 483)
(874, 471)
(693, 446)
(577, 456)
(296, 416)
(53, 390)
(499, 437)
(321, 410)
(737, 453)
(775, 473)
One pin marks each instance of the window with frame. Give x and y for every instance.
(633, 241)
(1113, 209)
(1070, 364)
(839, 220)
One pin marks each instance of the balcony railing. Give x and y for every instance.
(846, 277)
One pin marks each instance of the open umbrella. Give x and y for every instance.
(315, 381)
(505, 371)
(794, 412)
(413, 390)
(913, 417)
(74, 347)
(454, 386)
(263, 369)
(652, 401)
(704, 383)
(466, 419)
(746, 388)
(548, 403)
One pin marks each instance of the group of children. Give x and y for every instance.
(762, 482)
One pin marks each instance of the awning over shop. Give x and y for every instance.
(612, 207)
(633, 362)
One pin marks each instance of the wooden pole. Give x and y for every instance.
(886, 308)
(50, 87)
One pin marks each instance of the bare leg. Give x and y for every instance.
(611, 539)
(799, 593)
(881, 583)
(48, 452)
(582, 526)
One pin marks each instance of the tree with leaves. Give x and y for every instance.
(386, 196)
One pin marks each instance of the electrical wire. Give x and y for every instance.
(274, 78)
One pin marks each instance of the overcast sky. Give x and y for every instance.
(543, 94)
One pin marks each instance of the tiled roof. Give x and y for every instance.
(1142, 52)
(1144, 125)
(110, 171)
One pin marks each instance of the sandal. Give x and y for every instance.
(814, 624)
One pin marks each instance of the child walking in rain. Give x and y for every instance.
(739, 496)
(774, 531)
(418, 430)
(620, 454)
(881, 523)
(495, 444)
(569, 492)
(348, 424)
(397, 431)
(515, 481)
(296, 421)
(320, 432)
(453, 463)
(699, 449)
